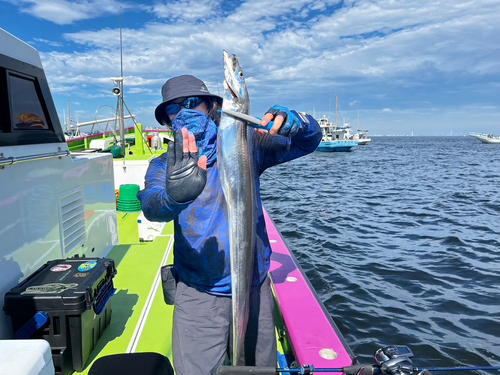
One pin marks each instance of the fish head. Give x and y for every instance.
(235, 88)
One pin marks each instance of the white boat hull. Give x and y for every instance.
(364, 141)
(487, 138)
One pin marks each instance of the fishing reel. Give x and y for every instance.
(396, 360)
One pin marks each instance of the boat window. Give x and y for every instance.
(27, 111)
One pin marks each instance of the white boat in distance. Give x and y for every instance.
(487, 138)
(361, 135)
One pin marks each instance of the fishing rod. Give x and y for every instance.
(391, 360)
(310, 369)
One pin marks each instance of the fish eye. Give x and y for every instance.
(240, 73)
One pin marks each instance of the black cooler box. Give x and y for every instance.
(75, 295)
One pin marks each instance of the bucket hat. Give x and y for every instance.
(181, 87)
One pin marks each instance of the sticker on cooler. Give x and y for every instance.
(80, 274)
(52, 288)
(61, 268)
(87, 266)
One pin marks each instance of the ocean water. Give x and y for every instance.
(401, 240)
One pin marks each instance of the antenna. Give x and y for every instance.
(336, 110)
(357, 125)
(121, 44)
(69, 117)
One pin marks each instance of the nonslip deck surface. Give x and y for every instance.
(141, 321)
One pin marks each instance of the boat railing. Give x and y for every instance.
(95, 123)
(17, 159)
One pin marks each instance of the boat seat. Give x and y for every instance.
(132, 364)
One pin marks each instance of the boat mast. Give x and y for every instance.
(336, 110)
(68, 121)
(357, 122)
(119, 83)
(121, 44)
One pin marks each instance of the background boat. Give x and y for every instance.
(487, 138)
(361, 135)
(335, 138)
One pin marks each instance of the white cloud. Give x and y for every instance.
(62, 89)
(303, 51)
(188, 10)
(65, 12)
(427, 35)
(48, 42)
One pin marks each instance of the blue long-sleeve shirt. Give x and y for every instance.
(201, 229)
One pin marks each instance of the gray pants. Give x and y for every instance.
(202, 330)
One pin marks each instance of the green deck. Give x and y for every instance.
(138, 266)
(140, 321)
(139, 297)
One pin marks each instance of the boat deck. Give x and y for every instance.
(141, 321)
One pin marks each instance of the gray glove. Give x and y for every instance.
(185, 179)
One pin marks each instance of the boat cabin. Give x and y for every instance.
(331, 132)
(53, 204)
(28, 112)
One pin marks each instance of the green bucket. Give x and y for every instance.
(134, 207)
(129, 209)
(128, 193)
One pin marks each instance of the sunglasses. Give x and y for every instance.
(189, 103)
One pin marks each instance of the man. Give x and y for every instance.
(184, 187)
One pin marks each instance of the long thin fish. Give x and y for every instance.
(234, 156)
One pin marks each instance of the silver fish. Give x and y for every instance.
(236, 168)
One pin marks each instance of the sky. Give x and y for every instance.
(396, 67)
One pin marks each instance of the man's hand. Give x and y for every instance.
(186, 175)
(285, 121)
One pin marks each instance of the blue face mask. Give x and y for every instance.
(203, 129)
